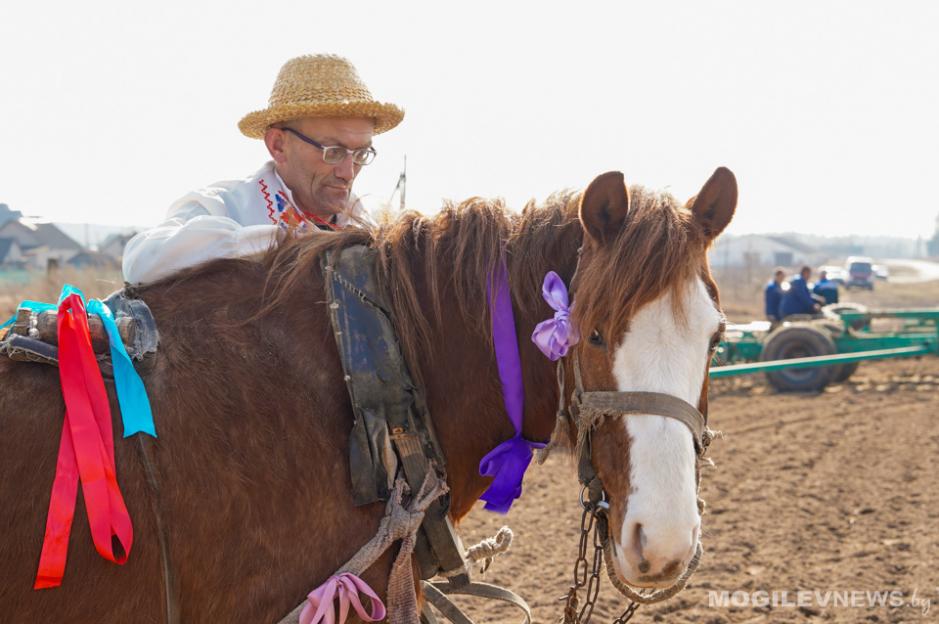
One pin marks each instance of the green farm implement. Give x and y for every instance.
(809, 353)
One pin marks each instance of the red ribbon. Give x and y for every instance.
(86, 452)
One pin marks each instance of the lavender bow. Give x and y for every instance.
(556, 335)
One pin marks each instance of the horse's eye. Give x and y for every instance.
(715, 342)
(596, 339)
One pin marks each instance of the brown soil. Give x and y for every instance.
(834, 491)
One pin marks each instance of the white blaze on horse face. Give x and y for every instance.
(663, 353)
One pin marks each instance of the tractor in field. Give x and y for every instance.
(805, 354)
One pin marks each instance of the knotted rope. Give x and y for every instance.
(489, 548)
(398, 523)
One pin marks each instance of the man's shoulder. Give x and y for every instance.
(251, 181)
(226, 198)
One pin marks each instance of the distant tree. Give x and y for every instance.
(932, 247)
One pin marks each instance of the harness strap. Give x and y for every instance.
(437, 595)
(170, 585)
(627, 403)
(656, 403)
(392, 432)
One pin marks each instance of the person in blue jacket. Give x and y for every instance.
(798, 299)
(772, 295)
(826, 288)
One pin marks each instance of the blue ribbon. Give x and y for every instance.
(37, 306)
(68, 289)
(131, 393)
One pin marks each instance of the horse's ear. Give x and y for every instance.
(604, 206)
(713, 207)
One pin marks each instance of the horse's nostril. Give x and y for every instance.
(639, 542)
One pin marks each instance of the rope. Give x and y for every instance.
(487, 549)
(398, 523)
(561, 435)
(658, 595)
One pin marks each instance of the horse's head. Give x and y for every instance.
(649, 314)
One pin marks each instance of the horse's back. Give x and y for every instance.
(94, 590)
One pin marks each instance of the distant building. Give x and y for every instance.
(94, 260)
(114, 245)
(763, 250)
(8, 215)
(11, 254)
(42, 243)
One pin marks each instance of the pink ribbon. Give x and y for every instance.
(344, 588)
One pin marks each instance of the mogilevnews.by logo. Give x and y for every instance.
(825, 599)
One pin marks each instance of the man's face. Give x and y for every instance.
(806, 273)
(318, 187)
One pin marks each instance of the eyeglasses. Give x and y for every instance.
(335, 154)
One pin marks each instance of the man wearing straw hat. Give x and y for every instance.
(318, 129)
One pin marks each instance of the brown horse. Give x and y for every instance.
(254, 418)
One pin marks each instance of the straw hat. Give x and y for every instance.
(321, 85)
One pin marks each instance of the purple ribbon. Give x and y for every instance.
(507, 462)
(556, 335)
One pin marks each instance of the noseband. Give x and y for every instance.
(590, 406)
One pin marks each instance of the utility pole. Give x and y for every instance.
(401, 186)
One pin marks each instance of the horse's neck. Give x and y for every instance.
(464, 388)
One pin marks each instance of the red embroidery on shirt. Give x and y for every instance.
(324, 222)
(267, 198)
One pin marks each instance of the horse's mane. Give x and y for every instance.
(453, 252)
(423, 258)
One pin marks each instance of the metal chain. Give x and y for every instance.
(627, 614)
(593, 520)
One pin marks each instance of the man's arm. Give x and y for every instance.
(177, 244)
(805, 298)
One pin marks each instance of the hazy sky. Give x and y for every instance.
(828, 112)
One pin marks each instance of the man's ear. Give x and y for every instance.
(604, 206)
(713, 207)
(274, 140)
